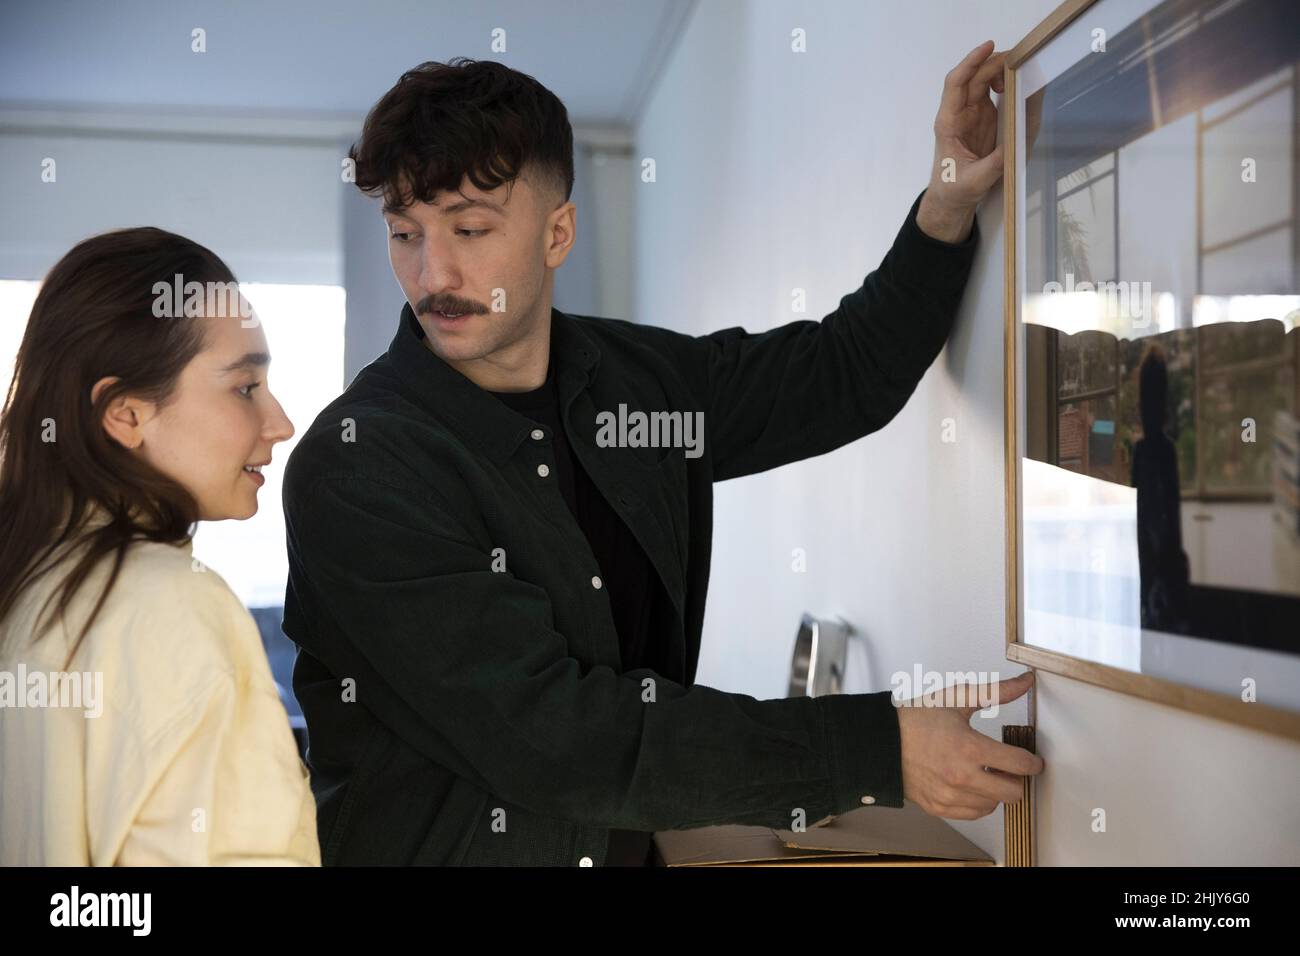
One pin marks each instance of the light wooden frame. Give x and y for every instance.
(1220, 706)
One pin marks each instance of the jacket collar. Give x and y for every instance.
(476, 415)
(95, 516)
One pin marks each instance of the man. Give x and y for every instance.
(498, 608)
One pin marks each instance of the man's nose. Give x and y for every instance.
(438, 270)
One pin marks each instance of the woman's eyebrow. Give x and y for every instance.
(249, 360)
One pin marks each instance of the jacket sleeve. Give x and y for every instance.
(806, 388)
(216, 780)
(464, 663)
(233, 791)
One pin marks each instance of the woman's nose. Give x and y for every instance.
(280, 428)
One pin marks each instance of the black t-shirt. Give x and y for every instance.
(625, 570)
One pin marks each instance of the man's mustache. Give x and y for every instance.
(430, 304)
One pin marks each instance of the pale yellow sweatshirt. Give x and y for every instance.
(163, 743)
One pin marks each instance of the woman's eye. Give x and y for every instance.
(248, 394)
(400, 236)
(472, 232)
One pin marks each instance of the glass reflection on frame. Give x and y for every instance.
(1159, 288)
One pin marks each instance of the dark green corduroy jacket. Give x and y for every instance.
(458, 664)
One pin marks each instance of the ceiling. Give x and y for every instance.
(325, 57)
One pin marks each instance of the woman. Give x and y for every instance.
(139, 721)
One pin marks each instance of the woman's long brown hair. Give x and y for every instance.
(94, 317)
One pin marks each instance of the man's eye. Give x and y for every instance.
(473, 232)
(250, 388)
(400, 236)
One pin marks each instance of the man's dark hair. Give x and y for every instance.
(443, 121)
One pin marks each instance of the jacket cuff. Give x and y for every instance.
(865, 749)
(925, 260)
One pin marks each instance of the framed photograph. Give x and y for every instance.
(1152, 199)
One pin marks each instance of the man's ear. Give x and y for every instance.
(123, 417)
(561, 234)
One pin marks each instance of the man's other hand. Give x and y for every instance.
(967, 155)
(952, 770)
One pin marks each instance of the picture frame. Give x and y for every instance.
(1120, 120)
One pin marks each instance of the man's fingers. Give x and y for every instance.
(992, 67)
(999, 786)
(984, 173)
(985, 695)
(968, 698)
(1008, 758)
(1009, 690)
(989, 74)
(988, 785)
(954, 84)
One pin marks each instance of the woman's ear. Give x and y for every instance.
(123, 417)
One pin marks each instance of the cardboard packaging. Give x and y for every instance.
(870, 836)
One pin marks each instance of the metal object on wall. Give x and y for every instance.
(820, 654)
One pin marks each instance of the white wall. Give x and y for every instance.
(263, 200)
(778, 170)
